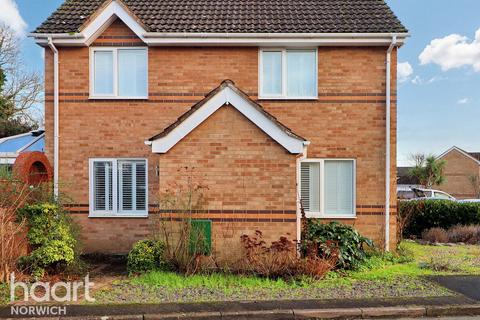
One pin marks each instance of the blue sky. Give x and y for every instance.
(439, 95)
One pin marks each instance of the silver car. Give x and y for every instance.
(424, 194)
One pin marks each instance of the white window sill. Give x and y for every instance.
(317, 215)
(286, 98)
(116, 98)
(118, 215)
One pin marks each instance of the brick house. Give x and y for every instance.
(274, 103)
(460, 167)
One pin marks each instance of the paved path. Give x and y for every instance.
(82, 311)
(466, 285)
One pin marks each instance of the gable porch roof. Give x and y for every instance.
(226, 94)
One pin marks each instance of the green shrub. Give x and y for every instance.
(51, 238)
(146, 255)
(350, 244)
(443, 214)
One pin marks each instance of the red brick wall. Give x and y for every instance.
(458, 170)
(347, 121)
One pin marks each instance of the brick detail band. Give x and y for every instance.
(203, 94)
(375, 210)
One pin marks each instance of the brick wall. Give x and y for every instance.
(458, 169)
(347, 121)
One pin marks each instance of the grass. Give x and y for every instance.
(4, 294)
(212, 281)
(382, 275)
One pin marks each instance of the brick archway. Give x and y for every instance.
(33, 167)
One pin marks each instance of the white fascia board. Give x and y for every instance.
(292, 144)
(163, 144)
(269, 42)
(460, 151)
(94, 29)
(228, 96)
(106, 17)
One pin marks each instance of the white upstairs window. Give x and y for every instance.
(288, 74)
(118, 187)
(327, 188)
(119, 73)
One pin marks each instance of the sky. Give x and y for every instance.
(439, 69)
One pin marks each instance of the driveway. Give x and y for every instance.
(469, 286)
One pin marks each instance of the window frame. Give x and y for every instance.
(283, 95)
(321, 213)
(115, 94)
(115, 213)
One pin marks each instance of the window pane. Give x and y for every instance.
(102, 186)
(301, 74)
(132, 73)
(339, 187)
(141, 177)
(310, 186)
(272, 73)
(132, 186)
(103, 73)
(125, 186)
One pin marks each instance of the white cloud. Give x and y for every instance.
(453, 51)
(10, 16)
(417, 80)
(463, 101)
(420, 81)
(404, 71)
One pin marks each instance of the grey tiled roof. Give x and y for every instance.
(239, 16)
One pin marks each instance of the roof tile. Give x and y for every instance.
(239, 16)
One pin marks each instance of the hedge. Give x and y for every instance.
(426, 214)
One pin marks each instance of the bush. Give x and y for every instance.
(280, 259)
(436, 235)
(146, 255)
(350, 244)
(51, 237)
(465, 234)
(444, 214)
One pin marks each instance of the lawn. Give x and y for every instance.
(4, 294)
(380, 276)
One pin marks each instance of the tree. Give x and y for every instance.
(20, 89)
(428, 170)
(475, 182)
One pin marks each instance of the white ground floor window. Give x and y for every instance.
(327, 187)
(118, 187)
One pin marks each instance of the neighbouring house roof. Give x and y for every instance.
(237, 16)
(11, 147)
(226, 94)
(475, 156)
(404, 177)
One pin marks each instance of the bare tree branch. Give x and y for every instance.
(22, 89)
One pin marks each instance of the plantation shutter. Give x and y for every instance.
(132, 186)
(310, 186)
(125, 186)
(141, 179)
(339, 187)
(103, 185)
